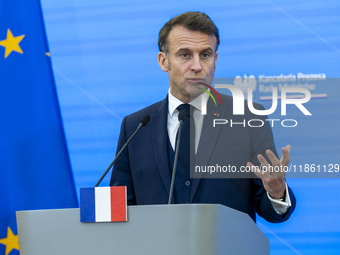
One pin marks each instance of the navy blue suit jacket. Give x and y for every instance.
(144, 165)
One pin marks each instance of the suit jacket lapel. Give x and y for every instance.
(160, 141)
(207, 142)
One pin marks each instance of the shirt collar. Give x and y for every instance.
(197, 102)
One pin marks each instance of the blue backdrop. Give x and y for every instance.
(104, 56)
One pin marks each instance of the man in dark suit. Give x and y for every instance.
(188, 52)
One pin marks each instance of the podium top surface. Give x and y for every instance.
(150, 229)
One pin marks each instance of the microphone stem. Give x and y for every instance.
(175, 162)
(120, 152)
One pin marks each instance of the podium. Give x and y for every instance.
(185, 229)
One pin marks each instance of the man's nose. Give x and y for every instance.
(196, 65)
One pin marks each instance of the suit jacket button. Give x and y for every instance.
(187, 183)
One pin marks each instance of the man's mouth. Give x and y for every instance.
(196, 79)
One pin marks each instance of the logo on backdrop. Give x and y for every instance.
(245, 83)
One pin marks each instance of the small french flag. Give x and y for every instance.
(103, 204)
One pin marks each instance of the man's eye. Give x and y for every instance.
(205, 55)
(185, 55)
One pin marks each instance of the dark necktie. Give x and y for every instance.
(187, 136)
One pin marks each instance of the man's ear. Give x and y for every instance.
(163, 61)
(215, 61)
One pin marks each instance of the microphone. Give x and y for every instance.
(144, 121)
(181, 118)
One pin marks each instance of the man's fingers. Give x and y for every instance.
(262, 160)
(288, 147)
(273, 159)
(273, 170)
(256, 170)
(285, 155)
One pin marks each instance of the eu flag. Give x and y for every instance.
(35, 171)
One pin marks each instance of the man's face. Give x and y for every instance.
(191, 59)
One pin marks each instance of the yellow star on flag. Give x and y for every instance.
(11, 241)
(11, 43)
